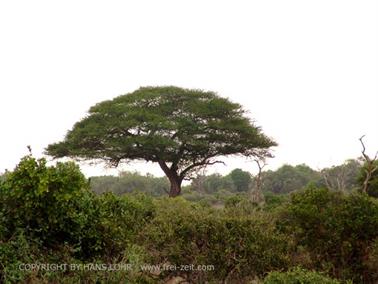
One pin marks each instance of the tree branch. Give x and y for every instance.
(363, 149)
(370, 168)
(203, 162)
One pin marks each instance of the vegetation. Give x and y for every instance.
(372, 181)
(180, 129)
(298, 275)
(342, 177)
(128, 182)
(238, 246)
(49, 215)
(336, 231)
(216, 189)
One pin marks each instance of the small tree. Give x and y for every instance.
(182, 130)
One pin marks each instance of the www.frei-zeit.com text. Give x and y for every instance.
(113, 267)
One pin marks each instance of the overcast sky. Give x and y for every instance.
(306, 70)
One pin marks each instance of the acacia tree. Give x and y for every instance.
(183, 130)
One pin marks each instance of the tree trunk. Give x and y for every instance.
(175, 187)
(174, 179)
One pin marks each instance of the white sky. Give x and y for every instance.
(306, 70)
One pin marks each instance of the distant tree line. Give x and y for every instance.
(128, 182)
(289, 178)
(345, 177)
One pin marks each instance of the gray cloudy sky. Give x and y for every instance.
(306, 70)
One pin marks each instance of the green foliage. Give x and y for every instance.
(200, 197)
(298, 276)
(241, 179)
(118, 221)
(43, 200)
(49, 210)
(240, 205)
(128, 182)
(237, 246)
(336, 230)
(288, 178)
(150, 116)
(273, 201)
(372, 259)
(54, 205)
(212, 184)
(2, 178)
(13, 251)
(19, 251)
(372, 188)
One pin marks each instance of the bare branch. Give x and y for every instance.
(370, 167)
(363, 149)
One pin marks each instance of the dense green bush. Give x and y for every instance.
(48, 210)
(19, 252)
(44, 201)
(14, 251)
(117, 223)
(54, 204)
(237, 246)
(240, 204)
(298, 276)
(337, 230)
(273, 201)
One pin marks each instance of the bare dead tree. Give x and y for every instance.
(337, 181)
(370, 166)
(255, 193)
(260, 164)
(326, 178)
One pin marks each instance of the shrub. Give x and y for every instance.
(372, 260)
(43, 200)
(13, 252)
(240, 205)
(54, 205)
(298, 275)
(19, 252)
(337, 230)
(118, 221)
(236, 246)
(273, 201)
